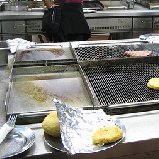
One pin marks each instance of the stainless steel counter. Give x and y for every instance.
(137, 11)
(142, 137)
(16, 15)
(142, 141)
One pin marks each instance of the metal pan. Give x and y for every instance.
(122, 83)
(44, 52)
(32, 89)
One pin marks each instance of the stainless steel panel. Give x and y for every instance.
(139, 23)
(110, 24)
(33, 88)
(33, 26)
(45, 51)
(14, 27)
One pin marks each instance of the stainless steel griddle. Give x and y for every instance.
(32, 90)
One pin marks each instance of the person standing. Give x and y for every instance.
(73, 25)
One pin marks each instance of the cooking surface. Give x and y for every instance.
(40, 55)
(123, 81)
(97, 52)
(43, 52)
(35, 93)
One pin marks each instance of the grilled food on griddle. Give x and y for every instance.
(107, 135)
(51, 124)
(137, 53)
(153, 83)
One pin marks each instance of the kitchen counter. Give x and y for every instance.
(141, 142)
(136, 12)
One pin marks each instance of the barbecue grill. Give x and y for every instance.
(109, 51)
(120, 81)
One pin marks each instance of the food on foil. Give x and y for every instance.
(107, 135)
(153, 83)
(51, 124)
(137, 53)
(78, 127)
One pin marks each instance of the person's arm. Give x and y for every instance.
(48, 3)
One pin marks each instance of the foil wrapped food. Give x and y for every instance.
(77, 126)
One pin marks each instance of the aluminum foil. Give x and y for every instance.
(77, 126)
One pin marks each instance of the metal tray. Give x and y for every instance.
(44, 52)
(122, 83)
(32, 90)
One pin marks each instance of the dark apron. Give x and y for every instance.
(74, 26)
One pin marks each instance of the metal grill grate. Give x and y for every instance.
(112, 51)
(119, 84)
